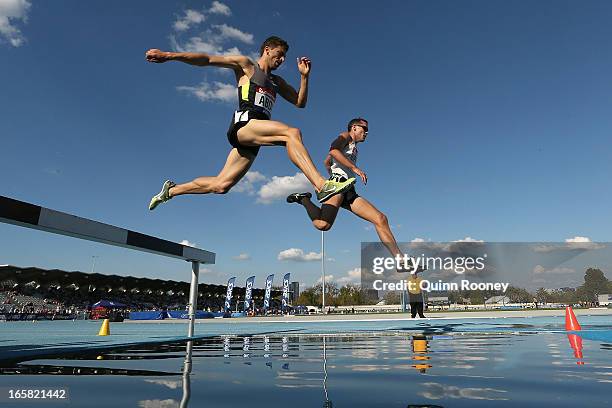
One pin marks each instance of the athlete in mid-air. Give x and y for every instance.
(251, 126)
(341, 163)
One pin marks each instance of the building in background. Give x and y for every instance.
(294, 292)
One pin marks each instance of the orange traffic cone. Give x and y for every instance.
(571, 323)
(575, 342)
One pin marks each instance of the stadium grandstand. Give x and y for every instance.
(36, 290)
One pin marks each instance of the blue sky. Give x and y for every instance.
(488, 120)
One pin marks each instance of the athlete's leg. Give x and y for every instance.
(270, 133)
(364, 209)
(323, 218)
(236, 166)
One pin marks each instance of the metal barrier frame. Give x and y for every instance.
(32, 216)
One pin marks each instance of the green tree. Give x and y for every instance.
(392, 297)
(582, 295)
(542, 295)
(563, 297)
(595, 283)
(518, 295)
(353, 295)
(476, 297)
(455, 297)
(308, 297)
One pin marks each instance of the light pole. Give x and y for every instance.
(93, 262)
(323, 268)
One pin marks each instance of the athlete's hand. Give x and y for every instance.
(361, 174)
(304, 65)
(157, 56)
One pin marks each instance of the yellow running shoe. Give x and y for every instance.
(162, 196)
(332, 187)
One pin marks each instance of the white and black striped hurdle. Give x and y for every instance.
(36, 217)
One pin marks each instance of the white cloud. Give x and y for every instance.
(242, 257)
(219, 8)
(187, 243)
(571, 244)
(215, 91)
(168, 403)
(173, 385)
(432, 390)
(328, 278)
(207, 46)
(212, 39)
(352, 276)
(418, 240)
(190, 18)
(539, 269)
(469, 239)
(279, 187)
(582, 243)
(194, 17)
(10, 11)
(578, 239)
(247, 184)
(231, 33)
(195, 44)
(298, 255)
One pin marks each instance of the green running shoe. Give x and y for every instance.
(331, 188)
(162, 196)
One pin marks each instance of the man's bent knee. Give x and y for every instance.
(322, 225)
(381, 219)
(294, 134)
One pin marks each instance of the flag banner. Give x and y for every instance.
(285, 301)
(228, 294)
(248, 293)
(269, 280)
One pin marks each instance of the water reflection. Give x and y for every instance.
(575, 342)
(419, 348)
(44, 369)
(395, 368)
(187, 366)
(327, 403)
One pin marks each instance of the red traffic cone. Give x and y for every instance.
(571, 323)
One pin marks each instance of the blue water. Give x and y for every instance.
(452, 363)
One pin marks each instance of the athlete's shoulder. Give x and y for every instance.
(341, 141)
(277, 79)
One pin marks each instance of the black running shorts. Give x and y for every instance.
(239, 120)
(350, 195)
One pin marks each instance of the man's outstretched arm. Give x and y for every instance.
(234, 62)
(298, 98)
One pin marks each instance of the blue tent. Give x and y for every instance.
(109, 304)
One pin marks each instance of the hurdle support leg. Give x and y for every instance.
(193, 295)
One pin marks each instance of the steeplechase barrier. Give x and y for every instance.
(32, 216)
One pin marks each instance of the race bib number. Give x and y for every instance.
(265, 98)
